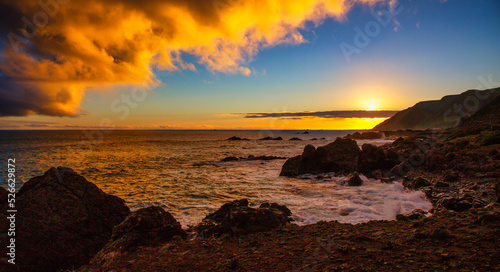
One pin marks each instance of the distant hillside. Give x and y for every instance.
(486, 119)
(443, 113)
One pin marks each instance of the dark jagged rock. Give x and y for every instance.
(234, 138)
(236, 218)
(64, 221)
(353, 179)
(228, 159)
(282, 208)
(373, 158)
(145, 227)
(295, 139)
(291, 167)
(308, 152)
(455, 204)
(415, 215)
(417, 183)
(339, 156)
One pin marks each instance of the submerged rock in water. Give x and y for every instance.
(145, 227)
(234, 138)
(271, 139)
(64, 220)
(236, 218)
(228, 159)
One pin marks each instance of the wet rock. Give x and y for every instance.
(145, 227)
(401, 169)
(373, 158)
(236, 218)
(282, 208)
(295, 139)
(65, 221)
(231, 158)
(417, 183)
(353, 179)
(415, 215)
(339, 156)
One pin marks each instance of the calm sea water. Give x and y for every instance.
(182, 171)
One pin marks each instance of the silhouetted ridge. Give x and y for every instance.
(443, 113)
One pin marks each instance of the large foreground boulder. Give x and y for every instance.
(63, 220)
(339, 156)
(236, 218)
(145, 227)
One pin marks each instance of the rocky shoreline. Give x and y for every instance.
(68, 223)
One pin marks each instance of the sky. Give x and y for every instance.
(238, 64)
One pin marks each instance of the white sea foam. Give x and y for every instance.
(371, 201)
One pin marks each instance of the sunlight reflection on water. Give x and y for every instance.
(182, 172)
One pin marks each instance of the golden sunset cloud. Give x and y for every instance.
(57, 49)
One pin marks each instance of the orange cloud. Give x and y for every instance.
(57, 49)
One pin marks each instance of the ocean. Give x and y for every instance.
(182, 171)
